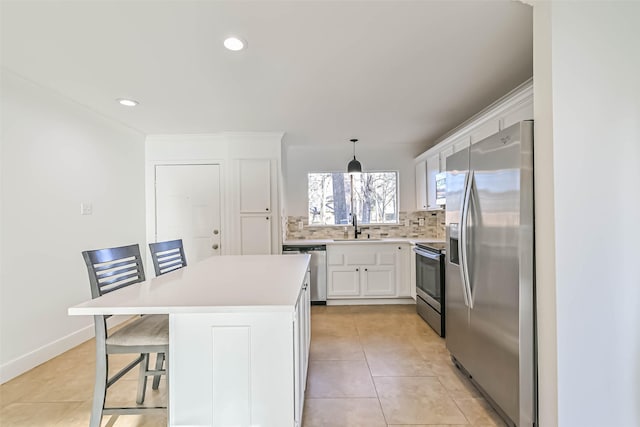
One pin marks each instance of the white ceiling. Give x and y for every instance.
(321, 71)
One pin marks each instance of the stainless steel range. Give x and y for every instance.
(430, 284)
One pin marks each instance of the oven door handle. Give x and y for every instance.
(430, 255)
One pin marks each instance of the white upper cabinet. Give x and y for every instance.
(255, 185)
(433, 169)
(421, 186)
(514, 107)
(446, 152)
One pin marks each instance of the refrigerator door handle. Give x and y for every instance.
(464, 267)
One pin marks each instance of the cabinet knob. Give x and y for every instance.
(215, 246)
(267, 209)
(366, 269)
(267, 218)
(357, 269)
(215, 232)
(399, 248)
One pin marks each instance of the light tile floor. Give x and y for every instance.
(369, 366)
(384, 366)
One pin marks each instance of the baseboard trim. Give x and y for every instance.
(26, 362)
(371, 301)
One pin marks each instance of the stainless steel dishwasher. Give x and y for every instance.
(318, 267)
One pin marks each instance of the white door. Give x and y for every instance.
(188, 208)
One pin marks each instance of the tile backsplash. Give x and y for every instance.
(433, 228)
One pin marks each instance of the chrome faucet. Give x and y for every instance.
(354, 220)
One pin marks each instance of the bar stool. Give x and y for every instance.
(109, 270)
(167, 256)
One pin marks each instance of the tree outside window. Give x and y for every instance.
(374, 195)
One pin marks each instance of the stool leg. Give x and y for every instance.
(156, 378)
(142, 380)
(102, 370)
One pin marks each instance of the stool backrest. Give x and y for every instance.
(167, 256)
(113, 268)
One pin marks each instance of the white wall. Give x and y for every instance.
(56, 154)
(595, 122)
(299, 160)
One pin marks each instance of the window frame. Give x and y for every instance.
(372, 224)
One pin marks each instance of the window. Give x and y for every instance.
(374, 196)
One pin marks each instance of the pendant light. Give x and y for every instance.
(354, 166)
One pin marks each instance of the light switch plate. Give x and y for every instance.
(300, 225)
(86, 208)
(421, 222)
(406, 222)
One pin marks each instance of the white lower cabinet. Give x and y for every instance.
(367, 270)
(403, 274)
(378, 281)
(343, 281)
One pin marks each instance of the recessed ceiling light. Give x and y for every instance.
(234, 43)
(127, 102)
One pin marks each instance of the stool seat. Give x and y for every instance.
(152, 329)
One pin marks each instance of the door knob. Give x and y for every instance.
(215, 232)
(215, 246)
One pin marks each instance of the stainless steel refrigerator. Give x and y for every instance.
(489, 269)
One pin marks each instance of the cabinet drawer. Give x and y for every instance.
(361, 259)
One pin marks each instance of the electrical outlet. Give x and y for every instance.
(421, 222)
(406, 222)
(300, 225)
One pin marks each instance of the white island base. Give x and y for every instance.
(239, 335)
(236, 369)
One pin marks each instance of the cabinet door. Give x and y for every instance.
(298, 361)
(412, 282)
(443, 157)
(255, 235)
(378, 281)
(301, 341)
(403, 274)
(421, 186)
(255, 185)
(343, 281)
(433, 168)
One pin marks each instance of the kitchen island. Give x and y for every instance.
(238, 333)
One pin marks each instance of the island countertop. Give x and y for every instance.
(231, 283)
